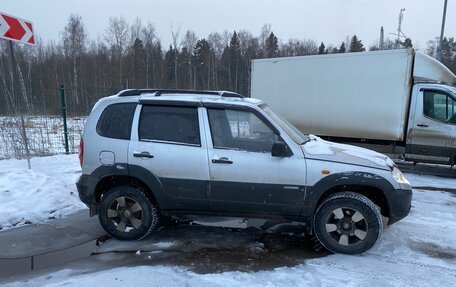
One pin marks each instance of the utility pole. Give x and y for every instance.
(440, 50)
(399, 29)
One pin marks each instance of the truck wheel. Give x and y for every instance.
(127, 214)
(348, 222)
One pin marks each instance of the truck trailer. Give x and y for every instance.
(400, 102)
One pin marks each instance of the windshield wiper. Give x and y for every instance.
(306, 141)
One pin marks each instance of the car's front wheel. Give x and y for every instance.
(126, 213)
(348, 222)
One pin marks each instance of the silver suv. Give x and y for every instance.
(147, 155)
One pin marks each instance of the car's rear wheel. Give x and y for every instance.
(348, 222)
(126, 213)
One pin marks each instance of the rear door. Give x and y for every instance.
(432, 130)
(168, 142)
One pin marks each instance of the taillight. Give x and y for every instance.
(81, 151)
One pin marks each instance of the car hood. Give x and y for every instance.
(317, 148)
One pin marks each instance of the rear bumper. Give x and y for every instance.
(400, 204)
(86, 187)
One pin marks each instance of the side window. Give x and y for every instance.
(169, 124)
(115, 121)
(240, 130)
(439, 106)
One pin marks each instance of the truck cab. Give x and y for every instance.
(431, 130)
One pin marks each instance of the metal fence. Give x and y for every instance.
(44, 134)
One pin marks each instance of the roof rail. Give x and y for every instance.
(229, 94)
(135, 92)
(158, 92)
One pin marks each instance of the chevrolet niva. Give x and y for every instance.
(147, 155)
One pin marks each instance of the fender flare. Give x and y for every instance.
(131, 171)
(314, 193)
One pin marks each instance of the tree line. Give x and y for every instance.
(132, 56)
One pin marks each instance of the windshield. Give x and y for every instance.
(295, 134)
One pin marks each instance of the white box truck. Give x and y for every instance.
(398, 101)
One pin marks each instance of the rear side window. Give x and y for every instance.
(170, 124)
(115, 121)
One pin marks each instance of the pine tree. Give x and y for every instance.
(342, 48)
(202, 56)
(322, 49)
(137, 67)
(169, 68)
(356, 45)
(407, 43)
(449, 53)
(272, 46)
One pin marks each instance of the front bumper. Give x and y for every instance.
(400, 204)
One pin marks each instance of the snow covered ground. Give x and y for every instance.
(33, 196)
(420, 250)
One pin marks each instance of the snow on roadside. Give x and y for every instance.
(33, 196)
(430, 180)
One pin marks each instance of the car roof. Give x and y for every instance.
(197, 97)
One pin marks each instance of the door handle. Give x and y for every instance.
(224, 160)
(143, 154)
(423, 125)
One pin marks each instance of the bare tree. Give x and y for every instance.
(217, 44)
(226, 36)
(116, 35)
(150, 39)
(136, 30)
(296, 47)
(188, 42)
(176, 46)
(264, 34)
(74, 40)
(149, 34)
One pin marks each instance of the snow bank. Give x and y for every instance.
(33, 196)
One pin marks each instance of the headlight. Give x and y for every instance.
(399, 177)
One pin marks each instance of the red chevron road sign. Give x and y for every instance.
(16, 29)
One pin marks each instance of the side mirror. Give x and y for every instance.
(279, 149)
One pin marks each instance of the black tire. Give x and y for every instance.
(126, 213)
(348, 223)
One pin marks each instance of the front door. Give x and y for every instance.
(245, 177)
(432, 133)
(167, 143)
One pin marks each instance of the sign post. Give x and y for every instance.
(21, 31)
(64, 115)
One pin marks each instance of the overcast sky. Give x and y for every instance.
(330, 21)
